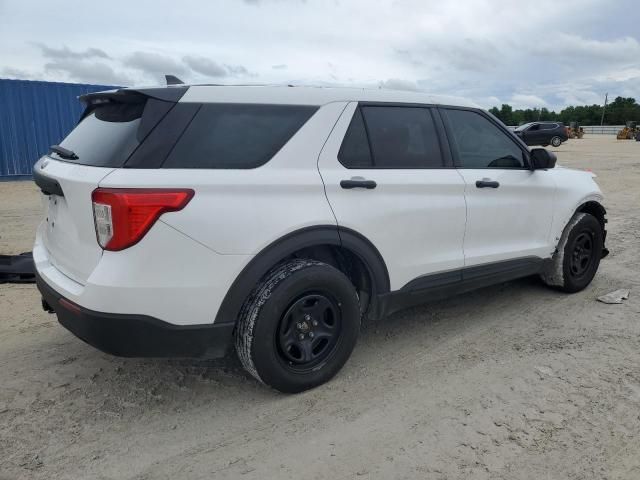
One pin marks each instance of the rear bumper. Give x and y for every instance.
(137, 335)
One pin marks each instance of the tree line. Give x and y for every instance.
(617, 112)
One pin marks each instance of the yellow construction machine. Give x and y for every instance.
(629, 132)
(574, 130)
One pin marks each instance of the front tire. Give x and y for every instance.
(556, 142)
(299, 326)
(577, 256)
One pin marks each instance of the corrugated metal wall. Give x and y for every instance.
(34, 115)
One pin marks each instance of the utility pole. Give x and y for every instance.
(604, 108)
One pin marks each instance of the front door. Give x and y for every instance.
(385, 177)
(534, 135)
(509, 206)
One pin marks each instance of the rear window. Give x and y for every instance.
(391, 137)
(236, 135)
(355, 152)
(402, 137)
(106, 136)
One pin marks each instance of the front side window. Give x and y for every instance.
(236, 135)
(479, 143)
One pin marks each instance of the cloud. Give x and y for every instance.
(399, 84)
(237, 70)
(88, 72)
(259, 2)
(16, 73)
(66, 52)
(520, 100)
(576, 49)
(153, 64)
(209, 68)
(205, 66)
(487, 51)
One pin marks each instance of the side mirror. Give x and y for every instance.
(541, 159)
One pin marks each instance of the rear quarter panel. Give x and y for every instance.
(240, 212)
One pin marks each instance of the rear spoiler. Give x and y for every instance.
(126, 95)
(170, 94)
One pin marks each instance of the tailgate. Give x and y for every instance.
(111, 128)
(69, 234)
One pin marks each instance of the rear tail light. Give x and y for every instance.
(123, 216)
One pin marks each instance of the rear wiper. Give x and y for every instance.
(63, 152)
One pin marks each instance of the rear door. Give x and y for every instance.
(509, 206)
(386, 177)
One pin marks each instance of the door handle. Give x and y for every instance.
(358, 182)
(487, 183)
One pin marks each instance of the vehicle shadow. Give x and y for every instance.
(121, 385)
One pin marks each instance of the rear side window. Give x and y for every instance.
(398, 137)
(106, 136)
(478, 143)
(236, 135)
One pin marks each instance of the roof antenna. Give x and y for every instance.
(173, 80)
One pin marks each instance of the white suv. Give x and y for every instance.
(186, 220)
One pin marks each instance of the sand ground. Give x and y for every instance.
(514, 381)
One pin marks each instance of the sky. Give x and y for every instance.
(528, 53)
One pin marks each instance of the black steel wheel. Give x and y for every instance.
(309, 331)
(299, 326)
(583, 254)
(578, 254)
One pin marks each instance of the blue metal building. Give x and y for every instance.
(34, 115)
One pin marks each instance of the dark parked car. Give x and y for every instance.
(543, 133)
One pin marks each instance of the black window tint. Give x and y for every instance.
(106, 136)
(481, 144)
(354, 152)
(236, 135)
(402, 137)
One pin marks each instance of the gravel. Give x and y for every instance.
(514, 381)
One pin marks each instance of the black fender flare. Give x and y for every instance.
(278, 250)
(596, 209)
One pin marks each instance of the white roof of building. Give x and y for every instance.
(293, 95)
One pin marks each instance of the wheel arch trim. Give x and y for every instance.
(292, 242)
(585, 205)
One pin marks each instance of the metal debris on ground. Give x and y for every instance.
(17, 268)
(617, 296)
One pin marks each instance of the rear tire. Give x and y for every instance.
(299, 326)
(556, 142)
(577, 256)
